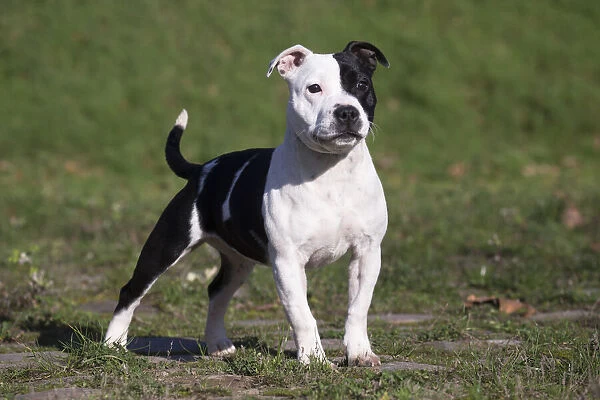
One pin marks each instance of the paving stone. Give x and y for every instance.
(184, 358)
(13, 348)
(461, 345)
(328, 344)
(570, 315)
(61, 394)
(502, 342)
(409, 366)
(401, 318)
(389, 364)
(259, 322)
(166, 346)
(22, 360)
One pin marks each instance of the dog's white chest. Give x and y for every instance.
(323, 217)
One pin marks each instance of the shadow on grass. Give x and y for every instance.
(61, 335)
(182, 349)
(66, 337)
(189, 349)
(253, 342)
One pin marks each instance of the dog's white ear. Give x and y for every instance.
(288, 60)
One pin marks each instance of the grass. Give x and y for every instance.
(487, 144)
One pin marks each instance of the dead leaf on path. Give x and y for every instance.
(597, 142)
(509, 306)
(505, 306)
(80, 169)
(540, 170)
(5, 165)
(386, 161)
(393, 104)
(571, 217)
(474, 300)
(570, 162)
(457, 170)
(72, 167)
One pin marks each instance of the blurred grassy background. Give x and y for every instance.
(488, 138)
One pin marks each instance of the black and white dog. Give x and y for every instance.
(303, 204)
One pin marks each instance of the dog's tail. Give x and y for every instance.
(178, 164)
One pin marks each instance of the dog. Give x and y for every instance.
(302, 204)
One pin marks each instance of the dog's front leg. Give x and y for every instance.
(363, 271)
(290, 280)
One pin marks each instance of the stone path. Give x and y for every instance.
(569, 315)
(259, 322)
(182, 350)
(28, 359)
(61, 394)
(166, 346)
(406, 319)
(462, 345)
(409, 366)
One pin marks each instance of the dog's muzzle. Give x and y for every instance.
(347, 119)
(344, 130)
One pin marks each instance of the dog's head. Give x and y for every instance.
(332, 99)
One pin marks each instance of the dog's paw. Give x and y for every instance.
(364, 360)
(119, 343)
(313, 359)
(221, 348)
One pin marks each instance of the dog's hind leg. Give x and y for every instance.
(233, 273)
(176, 233)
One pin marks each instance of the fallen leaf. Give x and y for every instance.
(206, 275)
(509, 306)
(457, 170)
(571, 217)
(386, 161)
(540, 169)
(570, 162)
(393, 104)
(213, 90)
(505, 306)
(72, 167)
(474, 300)
(5, 165)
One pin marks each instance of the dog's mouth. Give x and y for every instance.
(338, 142)
(349, 134)
(332, 140)
(345, 136)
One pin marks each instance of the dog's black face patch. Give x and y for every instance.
(355, 77)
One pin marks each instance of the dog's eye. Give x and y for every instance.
(362, 86)
(314, 88)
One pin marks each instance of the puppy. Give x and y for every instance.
(302, 204)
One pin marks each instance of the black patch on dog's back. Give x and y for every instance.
(243, 229)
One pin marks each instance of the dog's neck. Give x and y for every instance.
(307, 165)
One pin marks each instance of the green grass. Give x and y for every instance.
(487, 144)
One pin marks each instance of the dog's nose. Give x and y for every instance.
(346, 114)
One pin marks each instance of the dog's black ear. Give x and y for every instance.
(368, 53)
